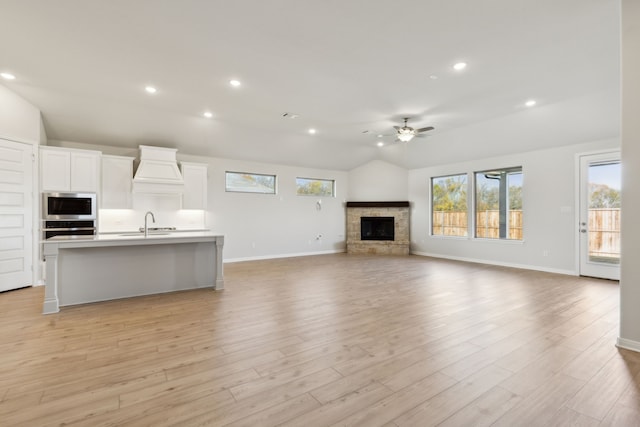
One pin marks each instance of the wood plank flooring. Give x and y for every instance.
(327, 340)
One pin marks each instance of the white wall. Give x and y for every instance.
(255, 225)
(629, 284)
(549, 204)
(19, 120)
(266, 226)
(378, 181)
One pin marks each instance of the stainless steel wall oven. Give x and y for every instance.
(58, 206)
(69, 215)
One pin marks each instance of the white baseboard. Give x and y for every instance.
(473, 260)
(263, 257)
(499, 263)
(628, 344)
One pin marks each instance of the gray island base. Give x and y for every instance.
(120, 266)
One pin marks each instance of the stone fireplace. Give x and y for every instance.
(378, 228)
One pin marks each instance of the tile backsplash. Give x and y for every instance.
(166, 211)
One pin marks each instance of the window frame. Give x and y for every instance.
(467, 207)
(507, 209)
(231, 190)
(332, 181)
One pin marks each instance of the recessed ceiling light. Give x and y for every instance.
(150, 89)
(235, 83)
(380, 136)
(290, 115)
(8, 76)
(312, 131)
(433, 77)
(380, 143)
(530, 103)
(207, 114)
(460, 66)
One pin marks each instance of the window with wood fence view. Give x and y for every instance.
(499, 204)
(498, 210)
(449, 205)
(498, 207)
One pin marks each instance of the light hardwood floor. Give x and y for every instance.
(327, 340)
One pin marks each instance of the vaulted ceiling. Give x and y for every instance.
(351, 69)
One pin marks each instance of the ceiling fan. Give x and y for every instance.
(406, 133)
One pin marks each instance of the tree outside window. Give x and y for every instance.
(449, 205)
(315, 187)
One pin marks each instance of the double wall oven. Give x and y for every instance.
(69, 215)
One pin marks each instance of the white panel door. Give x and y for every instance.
(600, 211)
(16, 215)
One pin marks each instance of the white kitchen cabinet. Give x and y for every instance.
(117, 175)
(195, 185)
(63, 169)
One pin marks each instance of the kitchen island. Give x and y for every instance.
(112, 266)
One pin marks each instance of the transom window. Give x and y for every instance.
(245, 182)
(315, 187)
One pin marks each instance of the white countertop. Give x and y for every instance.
(134, 239)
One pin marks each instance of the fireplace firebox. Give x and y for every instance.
(377, 228)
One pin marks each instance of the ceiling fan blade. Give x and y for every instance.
(425, 129)
(397, 128)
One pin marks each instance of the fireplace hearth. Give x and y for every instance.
(378, 228)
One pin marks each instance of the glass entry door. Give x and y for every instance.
(599, 227)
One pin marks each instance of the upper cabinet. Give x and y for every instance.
(195, 185)
(117, 174)
(55, 169)
(63, 169)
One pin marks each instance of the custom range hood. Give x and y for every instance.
(158, 172)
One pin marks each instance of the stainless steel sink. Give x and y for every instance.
(154, 229)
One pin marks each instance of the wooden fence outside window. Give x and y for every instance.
(604, 233)
(487, 224)
(604, 228)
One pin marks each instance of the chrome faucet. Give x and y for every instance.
(146, 228)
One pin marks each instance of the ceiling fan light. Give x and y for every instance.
(460, 66)
(405, 137)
